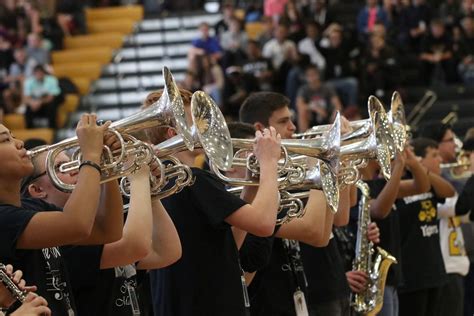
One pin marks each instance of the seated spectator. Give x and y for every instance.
(205, 44)
(36, 53)
(233, 41)
(413, 24)
(368, 16)
(210, 77)
(282, 52)
(317, 103)
(437, 55)
(467, 9)
(223, 24)
(6, 52)
(449, 11)
(237, 88)
(293, 18)
(466, 51)
(379, 70)
(258, 66)
(308, 45)
(42, 94)
(16, 75)
(274, 9)
(254, 12)
(317, 10)
(339, 67)
(70, 17)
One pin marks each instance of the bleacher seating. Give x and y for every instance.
(124, 12)
(112, 40)
(14, 121)
(96, 54)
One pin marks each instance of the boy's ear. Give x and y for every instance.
(170, 133)
(36, 191)
(259, 126)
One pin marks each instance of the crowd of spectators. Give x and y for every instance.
(323, 63)
(29, 31)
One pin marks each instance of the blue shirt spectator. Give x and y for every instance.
(369, 16)
(37, 89)
(205, 44)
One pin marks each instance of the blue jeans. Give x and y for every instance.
(390, 302)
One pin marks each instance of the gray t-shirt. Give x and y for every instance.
(318, 98)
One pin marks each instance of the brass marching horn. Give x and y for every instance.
(209, 131)
(363, 128)
(374, 140)
(167, 111)
(325, 148)
(291, 204)
(397, 116)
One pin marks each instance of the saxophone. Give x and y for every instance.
(10, 285)
(375, 263)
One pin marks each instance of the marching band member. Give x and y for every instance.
(457, 286)
(419, 236)
(283, 280)
(384, 195)
(32, 232)
(103, 277)
(208, 280)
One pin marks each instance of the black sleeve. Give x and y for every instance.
(465, 201)
(83, 265)
(38, 205)
(212, 199)
(255, 252)
(13, 221)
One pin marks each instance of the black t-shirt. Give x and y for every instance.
(207, 278)
(255, 252)
(325, 273)
(389, 235)
(431, 44)
(100, 292)
(423, 265)
(271, 291)
(44, 268)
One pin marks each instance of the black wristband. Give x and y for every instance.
(90, 163)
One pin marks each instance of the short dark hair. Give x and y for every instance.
(39, 68)
(241, 130)
(421, 144)
(434, 130)
(259, 106)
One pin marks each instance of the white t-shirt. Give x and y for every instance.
(451, 238)
(277, 51)
(308, 47)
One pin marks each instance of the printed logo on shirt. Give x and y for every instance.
(418, 197)
(455, 242)
(127, 297)
(428, 211)
(429, 230)
(428, 214)
(54, 280)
